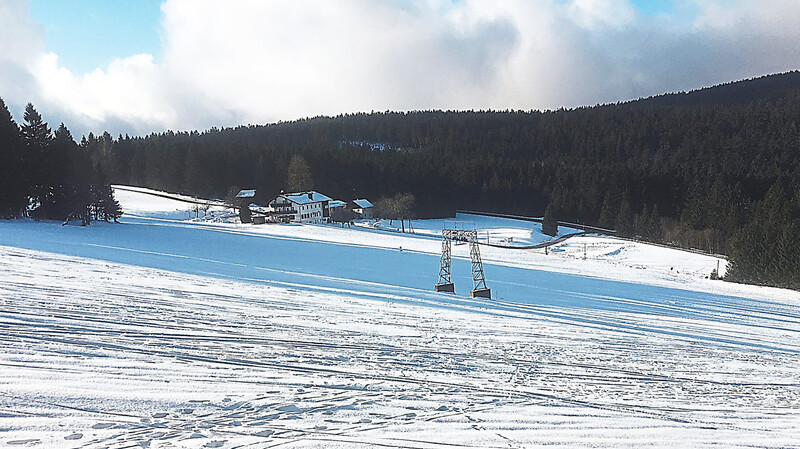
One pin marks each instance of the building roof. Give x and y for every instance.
(362, 203)
(336, 203)
(305, 197)
(246, 194)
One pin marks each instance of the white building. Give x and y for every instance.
(302, 207)
(363, 208)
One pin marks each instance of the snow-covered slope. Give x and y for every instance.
(174, 333)
(139, 201)
(606, 257)
(493, 230)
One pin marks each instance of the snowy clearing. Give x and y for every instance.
(606, 257)
(140, 201)
(159, 332)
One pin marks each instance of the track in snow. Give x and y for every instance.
(99, 354)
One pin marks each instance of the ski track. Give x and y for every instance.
(99, 354)
(169, 333)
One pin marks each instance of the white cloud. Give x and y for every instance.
(256, 61)
(20, 41)
(129, 90)
(300, 59)
(598, 14)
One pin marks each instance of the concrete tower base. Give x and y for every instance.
(445, 288)
(481, 293)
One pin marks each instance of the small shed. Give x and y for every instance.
(363, 208)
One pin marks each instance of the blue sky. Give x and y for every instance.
(653, 7)
(88, 34)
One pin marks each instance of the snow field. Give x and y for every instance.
(606, 257)
(108, 355)
(165, 332)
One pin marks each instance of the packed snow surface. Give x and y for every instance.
(162, 332)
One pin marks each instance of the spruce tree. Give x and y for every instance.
(69, 178)
(105, 205)
(12, 175)
(549, 222)
(607, 213)
(624, 218)
(35, 132)
(36, 136)
(113, 210)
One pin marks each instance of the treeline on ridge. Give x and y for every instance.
(716, 169)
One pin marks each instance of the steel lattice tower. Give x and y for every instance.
(445, 283)
(444, 267)
(478, 278)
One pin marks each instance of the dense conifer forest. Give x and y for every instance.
(46, 175)
(716, 169)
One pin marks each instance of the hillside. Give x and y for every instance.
(166, 331)
(659, 151)
(770, 88)
(716, 169)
